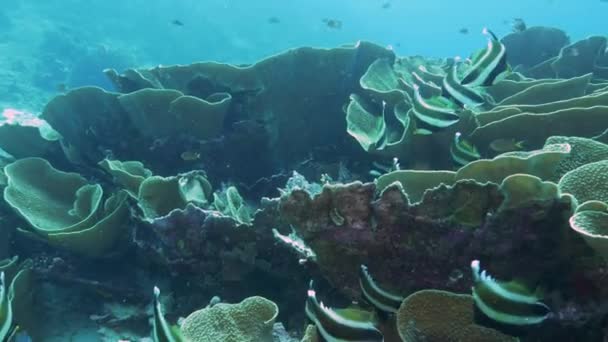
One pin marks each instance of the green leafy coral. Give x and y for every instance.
(158, 195)
(63, 210)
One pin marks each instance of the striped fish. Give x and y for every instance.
(382, 300)
(335, 328)
(489, 64)
(509, 304)
(6, 311)
(462, 151)
(161, 330)
(432, 115)
(427, 88)
(463, 95)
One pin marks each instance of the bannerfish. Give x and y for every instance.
(507, 145)
(379, 169)
(463, 95)
(432, 115)
(427, 88)
(333, 23)
(161, 329)
(488, 64)
(6, 328)
(380, 299)
(509, 304)
(177, 22)
(335, 328)
(462, 151)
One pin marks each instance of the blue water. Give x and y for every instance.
(238, 30)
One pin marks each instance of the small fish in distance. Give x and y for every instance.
(503, 145)
(177, 22)
(518, 25)
(463, 30)
(274, 20)
(333, 23)
(190, 156)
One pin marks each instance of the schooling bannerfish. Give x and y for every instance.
(434, 114)
(378, 297)
(462, 151)
(463, 95)
(336, 328)
(488, 64)
(509, 304)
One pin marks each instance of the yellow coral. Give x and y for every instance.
(250, 320)
(442, 316)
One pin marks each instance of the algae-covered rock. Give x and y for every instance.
(426, 244)
(250, 320)
(220, 256)
(432, 315)
(415, 182)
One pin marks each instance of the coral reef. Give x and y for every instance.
(244, 182)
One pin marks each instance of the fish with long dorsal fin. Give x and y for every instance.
(462, 151)
(487, 65)
(510, 305)
(463, 95)
(432, 115)
(161, 330)
(381, 299)
(335, 328)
